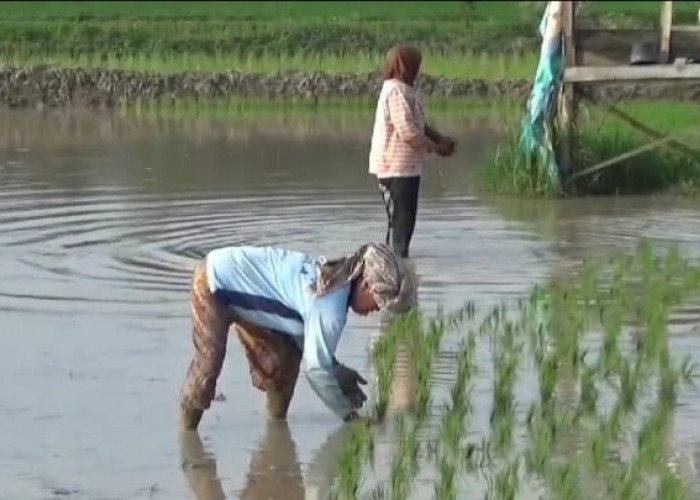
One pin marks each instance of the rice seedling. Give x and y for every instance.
(352, 460)
(405, 463)
(462, 65)
(645, 14)
(279, 27)
(446, 489)
(506, 482)
(243, 28)
(622, 411)
(506, 359)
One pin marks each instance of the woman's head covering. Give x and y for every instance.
(403, 63)
(392, 281)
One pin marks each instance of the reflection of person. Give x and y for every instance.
(274, 467)
(404, 385)
(274, 474)
(325, 465)
(400, 143)
(287, 307)
(199, 468)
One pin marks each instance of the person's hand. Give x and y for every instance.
(349, 380)
(431, 146)
(363, 419)
(446, 146)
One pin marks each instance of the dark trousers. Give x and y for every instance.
(400, 196)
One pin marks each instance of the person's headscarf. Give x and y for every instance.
(403, 63)
(393, 284)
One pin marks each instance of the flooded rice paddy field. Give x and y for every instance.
(102, 218)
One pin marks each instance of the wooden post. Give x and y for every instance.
(665, 24)
(568, 101)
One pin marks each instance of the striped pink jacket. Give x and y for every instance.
(397, 148)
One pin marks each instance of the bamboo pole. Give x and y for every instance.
(568, 102)
(630, 154)
(665, 23)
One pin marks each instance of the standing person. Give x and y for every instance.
(401, 142)
(287, 307)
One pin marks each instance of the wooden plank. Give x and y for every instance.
(631, 33)
(568, 12)
(685, 28)
(600, 74)
(666, 22)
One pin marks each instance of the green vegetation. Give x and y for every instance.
(597, 422)
(241, 29)
(645, 13)
(602, 137)
(239, 107)
(183, 35)
(464, 65)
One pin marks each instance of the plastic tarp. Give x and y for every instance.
(535, 136)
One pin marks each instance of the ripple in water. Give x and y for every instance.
(98, 247)
(101, 251)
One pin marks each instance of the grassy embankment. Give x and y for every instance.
(593, 420)
(602, 137)
(462, 40)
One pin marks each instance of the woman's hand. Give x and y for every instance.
(439, 144)
(445, 147)
(349, 381)
(367, 420)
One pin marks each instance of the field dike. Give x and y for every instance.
(42, 86)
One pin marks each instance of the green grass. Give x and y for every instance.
(306, 29)
(284, 37)
(408, 10)
(602, 137)
(399, 10)
(42, 29)
(438, 108)
(474, 66)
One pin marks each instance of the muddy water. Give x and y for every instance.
(102, 218)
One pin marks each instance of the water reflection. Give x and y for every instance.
(404, 385)
(199, 467)
(274, 472)
(61, 129)
(581, 227)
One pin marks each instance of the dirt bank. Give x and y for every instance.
(22, 87)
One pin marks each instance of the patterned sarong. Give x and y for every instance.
(272, 358)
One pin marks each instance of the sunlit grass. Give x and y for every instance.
(274, 10)
(465, 109)
(467, 66)
(601, 137)
(170, 30)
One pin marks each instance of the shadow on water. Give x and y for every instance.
(103, 216)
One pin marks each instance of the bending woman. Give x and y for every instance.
(287, 307)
